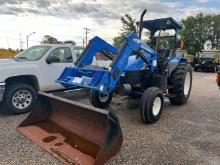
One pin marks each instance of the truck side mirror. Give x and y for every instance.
(52, 59)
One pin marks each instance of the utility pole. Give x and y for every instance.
(83, 42)
(27, 37)
(86, 32)
(20, 42)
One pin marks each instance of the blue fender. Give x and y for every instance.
(173, 62)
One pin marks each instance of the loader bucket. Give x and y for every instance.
(73, 132)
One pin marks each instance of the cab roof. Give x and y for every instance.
(162, 23)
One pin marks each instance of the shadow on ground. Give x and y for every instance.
(3, 112)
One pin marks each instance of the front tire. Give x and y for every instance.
(151, 105)
(99, 100)
(19, 98)
(180, 84)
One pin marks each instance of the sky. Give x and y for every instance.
(66, 19)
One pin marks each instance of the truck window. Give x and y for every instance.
(63, 54)
(206, 55)
(32, 54)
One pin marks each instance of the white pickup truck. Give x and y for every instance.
(32, 70)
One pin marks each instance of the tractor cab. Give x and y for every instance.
(163, 35)
(163, 38)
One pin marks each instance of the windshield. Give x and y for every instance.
(206, 55)
(32, 54)
(165, 43)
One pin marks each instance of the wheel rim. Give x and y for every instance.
(22, 99)
(157, 106)
(103, 98)
(187, 84)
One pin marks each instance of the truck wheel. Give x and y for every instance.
(151, 105)
(20, 98)
(180, 84)
(99, 100)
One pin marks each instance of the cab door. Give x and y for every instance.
(56, 62)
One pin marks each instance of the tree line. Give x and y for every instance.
(47, 39)
(7, 53)
(199, 29)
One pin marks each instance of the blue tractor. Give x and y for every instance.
(137, 70)
(80, 134)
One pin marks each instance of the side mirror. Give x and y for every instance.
(52, 59)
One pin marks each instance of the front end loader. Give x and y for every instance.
(89, 135)
(74, 133)
(137, 70)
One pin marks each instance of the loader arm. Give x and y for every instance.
(103, 80)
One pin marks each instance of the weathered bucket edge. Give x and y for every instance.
(49, 95)
(106, 152)
(74, 103)
(115, 140)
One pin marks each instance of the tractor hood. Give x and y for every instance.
(134, 63)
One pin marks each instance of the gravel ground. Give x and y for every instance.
(188, 134)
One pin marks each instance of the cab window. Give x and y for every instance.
(63, 54)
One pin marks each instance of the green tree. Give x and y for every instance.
(216, 26)
(197, 30)
(47, 39)
(128, 26)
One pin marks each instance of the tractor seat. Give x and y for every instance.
(163, 55)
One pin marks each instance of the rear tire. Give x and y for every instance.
(180, 84)
(151, 105)
(19, 98)
(98, 100)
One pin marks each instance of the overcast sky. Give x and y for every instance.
(65, 19)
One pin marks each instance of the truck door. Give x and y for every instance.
(53, 70)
